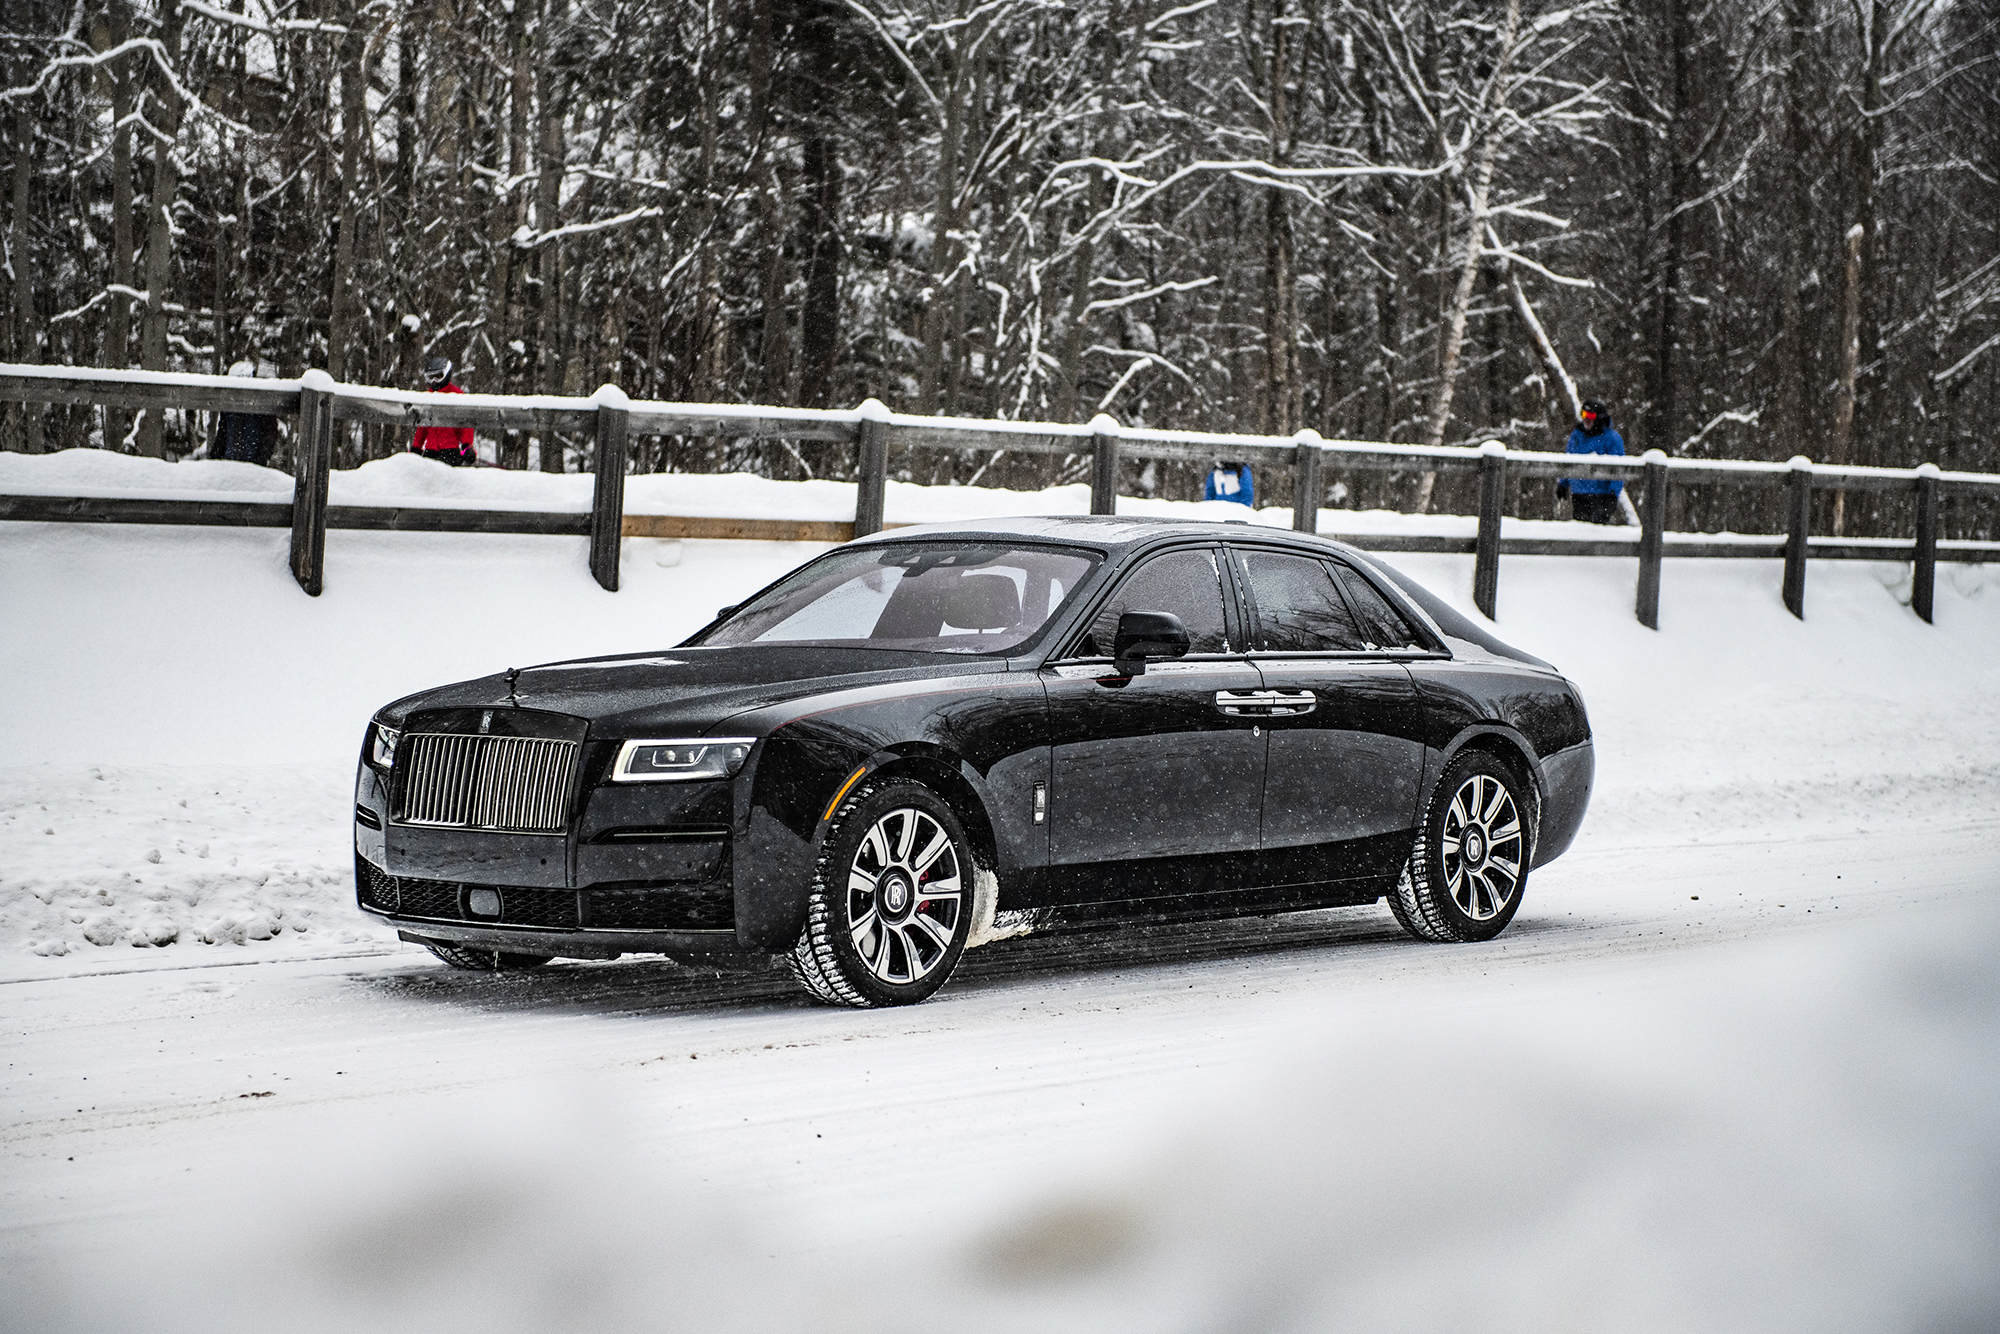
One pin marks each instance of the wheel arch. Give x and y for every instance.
(1510, 750)
(944, 774)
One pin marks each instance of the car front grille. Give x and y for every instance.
(515, 783)
(672, 908)
(640, 909)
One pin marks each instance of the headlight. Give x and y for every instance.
(382, 746)
(681, 761)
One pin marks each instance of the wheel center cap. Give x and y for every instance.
(1475, 846)
(896, 893)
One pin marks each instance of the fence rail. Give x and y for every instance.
(318, 402)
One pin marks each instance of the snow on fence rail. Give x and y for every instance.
(318, 402)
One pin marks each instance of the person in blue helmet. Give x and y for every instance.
(1592, 499)
(1231, 481)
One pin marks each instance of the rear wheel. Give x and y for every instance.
(483, 961)
(1470, 863)
(891, 901)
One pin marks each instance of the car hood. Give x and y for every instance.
(685, 689)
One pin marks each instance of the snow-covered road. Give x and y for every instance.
(169, 1131)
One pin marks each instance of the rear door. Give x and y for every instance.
(1155, 785)
(1345, 756)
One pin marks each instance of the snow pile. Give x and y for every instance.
(147, 666)
(151, 857)
(1789, 1136)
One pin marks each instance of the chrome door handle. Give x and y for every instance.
(1265, 703)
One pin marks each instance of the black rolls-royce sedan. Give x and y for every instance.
(940, 736)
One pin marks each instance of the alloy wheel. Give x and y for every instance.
(1483, 847)
(903, 895)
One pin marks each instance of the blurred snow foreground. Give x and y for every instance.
(1791, 1135)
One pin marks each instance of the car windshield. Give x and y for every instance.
(932, 597)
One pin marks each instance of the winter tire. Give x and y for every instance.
(484, 961)
(891, 899)
(1470, 863)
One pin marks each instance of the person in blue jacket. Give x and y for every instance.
(1591, 499)
(1231, 481)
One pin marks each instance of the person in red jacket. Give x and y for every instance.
(446, 444)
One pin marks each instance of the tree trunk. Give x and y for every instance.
(1663, 421)
(774, 346)
(1795, 354)
(353, 111)
(1871, 292)
(937, 310)
(1850, 366)
(507, 320)
(703, 358)
(819, 322)
(549, 161)
(1279, 413)
(160, 229)
(118, 324)
(1468, 272)
(1081, 272)
(21, 262)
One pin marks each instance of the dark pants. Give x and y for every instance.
(1595, 509)
(451, 456)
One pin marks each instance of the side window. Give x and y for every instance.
(1382, 627)
(1298, 608)
(1186, 584)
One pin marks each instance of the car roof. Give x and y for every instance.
(1115, 532)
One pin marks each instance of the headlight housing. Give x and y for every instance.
(681, 760)
(382, 746)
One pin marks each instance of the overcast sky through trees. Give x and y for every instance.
(1754, 229)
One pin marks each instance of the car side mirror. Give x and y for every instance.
(1147, 634)
(724, 613)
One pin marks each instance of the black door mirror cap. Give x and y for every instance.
(724, 613)
(1144, 635)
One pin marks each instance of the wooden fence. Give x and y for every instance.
(317, 402)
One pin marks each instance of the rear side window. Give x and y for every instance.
(1186, 584)
(1298, 608)
(1381, 625)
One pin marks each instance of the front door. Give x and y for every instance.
(1345, 757)
(1155, 782)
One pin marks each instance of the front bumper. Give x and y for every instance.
(597, 922)
(683, 945)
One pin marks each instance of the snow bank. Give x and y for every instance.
(171, 689)
(1789, 1136)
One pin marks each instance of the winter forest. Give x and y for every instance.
(1754, 229)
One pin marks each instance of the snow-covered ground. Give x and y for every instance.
(1732, 1066)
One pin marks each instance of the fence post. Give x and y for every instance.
(1652, 537)
(1104, 464)
(871, 485)
(1307, 488)
(312, 457)
(1923, 578)
(607, 496)
(1795, 537)
(1486, 561)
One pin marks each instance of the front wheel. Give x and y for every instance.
(891, 900)
(1470, 863)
